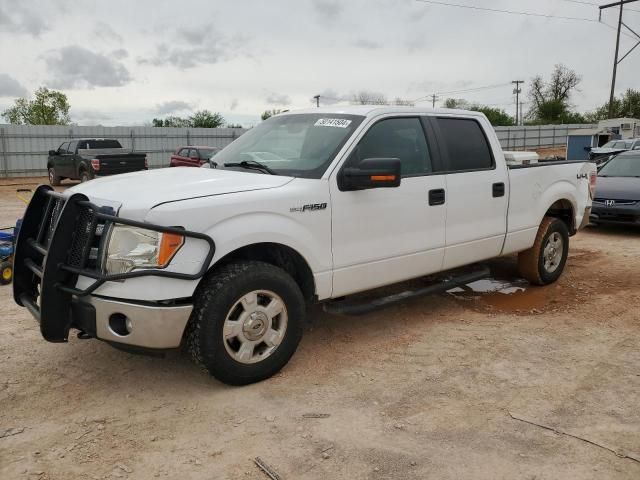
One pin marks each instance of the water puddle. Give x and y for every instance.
(492, 285)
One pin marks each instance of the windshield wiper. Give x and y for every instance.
(251, 165)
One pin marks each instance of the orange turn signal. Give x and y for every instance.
(383, 178)
(170, 243)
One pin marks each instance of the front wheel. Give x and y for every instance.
(543, 263)
(54, 179)
(246, 323)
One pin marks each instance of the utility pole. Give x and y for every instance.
(434, 97)
(317, 98)
(517, 91)
(615, 60)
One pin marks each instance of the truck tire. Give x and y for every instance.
(246, 322)
(543, 263)
(84, 176)
(54, 179)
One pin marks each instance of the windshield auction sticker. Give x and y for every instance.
(333, 122)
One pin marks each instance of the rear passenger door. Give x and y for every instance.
(477, 191)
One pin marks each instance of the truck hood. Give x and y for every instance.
(618, 188)
(139, 192)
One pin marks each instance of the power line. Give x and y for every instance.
(511, 12)
(466, 90)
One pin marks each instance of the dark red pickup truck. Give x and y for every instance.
(192, 156)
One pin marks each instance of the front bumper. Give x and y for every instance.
(148, 326)
(60, 241)
(615, 215)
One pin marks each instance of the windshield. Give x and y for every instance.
(622, 166)
(207, 154)
(298, 145)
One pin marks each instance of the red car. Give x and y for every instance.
(192, 156)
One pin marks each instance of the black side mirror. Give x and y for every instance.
(53, 152)
(371, 173)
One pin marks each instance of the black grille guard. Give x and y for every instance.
(56, 229)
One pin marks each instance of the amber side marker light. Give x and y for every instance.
(169, 246)
(383, 178)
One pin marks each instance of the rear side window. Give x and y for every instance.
(95, 144)
(466, 144)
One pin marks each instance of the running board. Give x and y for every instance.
(355, 307)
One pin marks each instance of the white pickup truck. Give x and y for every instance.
(308, 206)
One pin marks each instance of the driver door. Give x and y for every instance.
(386, 235)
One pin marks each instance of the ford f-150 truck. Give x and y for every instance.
(88, 158)
(222, 261)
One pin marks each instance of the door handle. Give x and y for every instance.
(437, 197)
(498, 190)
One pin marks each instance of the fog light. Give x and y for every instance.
(120, 324)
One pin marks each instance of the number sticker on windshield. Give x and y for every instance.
(333, 122)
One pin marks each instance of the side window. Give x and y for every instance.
(193, 153)
(401, 138)
(62, 149)
(72, 146)
(466, 144)
(184, 152)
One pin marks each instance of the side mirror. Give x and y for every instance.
(371, 173)
(53, 152)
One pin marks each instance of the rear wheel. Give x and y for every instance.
(84, 176)
(6, 272)
(543, 263)
(54, 179)
(246, 323)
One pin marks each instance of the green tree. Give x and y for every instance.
(269, 113)
(497, 117)
(49, 107)
(551, 100)
(627, 105)
(206, 119)
(172, 121)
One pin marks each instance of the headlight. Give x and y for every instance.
(133, 247)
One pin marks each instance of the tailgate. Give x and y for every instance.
(114, 164)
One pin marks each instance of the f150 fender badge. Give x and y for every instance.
(311, 207)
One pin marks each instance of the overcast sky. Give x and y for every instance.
(125, 62)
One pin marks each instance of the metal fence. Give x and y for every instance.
(24, 148)
(523, 138)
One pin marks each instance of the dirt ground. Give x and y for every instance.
(430, 389)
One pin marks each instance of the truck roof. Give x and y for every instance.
(374, 110)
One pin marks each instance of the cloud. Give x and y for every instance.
(331, 97)
(10, 87)
(172, 106)
(328, 10)
(105, 32)
(21, 20)
(186, 57)
(120, 54)
(234, 104)
(366, 44)
(78, 67)
(278, 99)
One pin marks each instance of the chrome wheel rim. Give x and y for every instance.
(50, 175)
(553, 251)
(255, 326)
